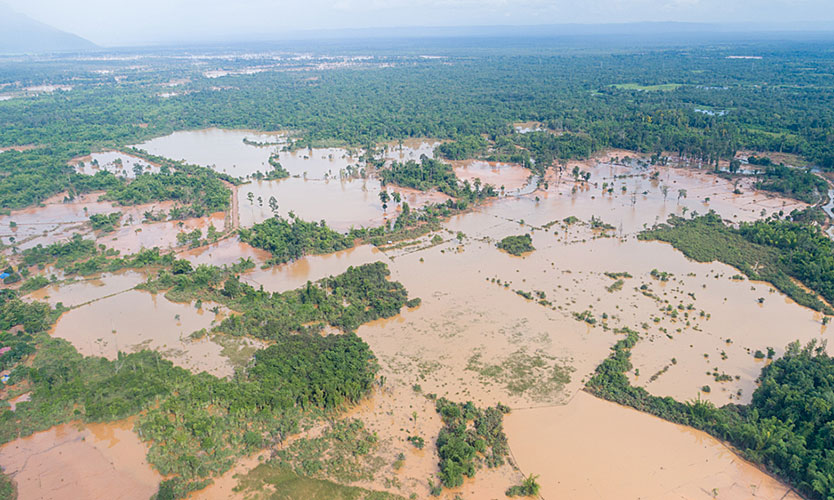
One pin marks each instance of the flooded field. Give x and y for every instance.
(325, 183)
(136, 320)
(134, 235)
(343, 204)
(410, 149)
(222, 150)
(525, 331)
(295, 274)
(52, 221)
(512, 178)
(87, 290)
(59, 219)
(81, 461)
(115, 162)
(225, 252)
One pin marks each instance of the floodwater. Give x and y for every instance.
(319, 163)
(325, 183)
(87, 290)
(137, 320)
(115, 162)
(225, 252)
(410, 149)
(57, 221)
(343, 204)
(292, 275)
(474, 338)
(53, 221)
(593, 449)
(75, 461)
(512, 177)
(222, 150)
(134, 235)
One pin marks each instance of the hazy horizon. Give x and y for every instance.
(158, 22)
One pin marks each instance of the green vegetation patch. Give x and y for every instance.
(434, 174)
(470, 438)
(537, 376)
(105, 222)
(199, 425)
(462, 148)
(359, 295)
(343, 453)
(270, 481)
(80, 256)
(198, 191)
(799, 184)
(517, 245)
(292, 239)
(528, 488)
(8, 491)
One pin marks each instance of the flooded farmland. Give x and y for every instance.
(136, 320)
(81, 461)
(477, 334)
(115, 162)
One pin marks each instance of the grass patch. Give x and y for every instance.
(271, 481)
(537, 376)
(342, 453)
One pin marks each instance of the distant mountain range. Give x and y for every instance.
(20, 34)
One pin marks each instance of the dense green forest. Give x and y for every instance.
(434, 174)
(32, 176)
(359, 295)
(793, 183)
(516, 245)
(703, 105)
(470, 438)
(774, 250)
(293, 239)
(786, 428)
(199, 190)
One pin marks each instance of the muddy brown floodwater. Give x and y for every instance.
(593, 449)
(511, 177)
(51, 222)
(344, 204)
(58, 220)
(295, 274)
(136, 320)
(222, 150)
(87, 290)
(115, 162)
(225, 252)
(81, 461)
(473, 339)
(478, 335)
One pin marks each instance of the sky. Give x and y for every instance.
(138, 22)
